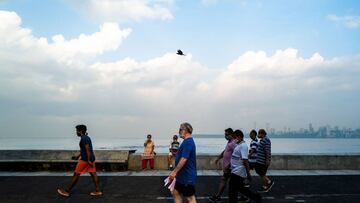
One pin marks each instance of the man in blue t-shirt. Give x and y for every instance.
(86, 163)
(185, 170)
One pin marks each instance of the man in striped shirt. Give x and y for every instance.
(253, 148)
(263, 159)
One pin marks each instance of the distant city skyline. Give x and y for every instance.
(112, 65)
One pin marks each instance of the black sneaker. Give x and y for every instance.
(214, 198)
(243, 199)
(246, 183)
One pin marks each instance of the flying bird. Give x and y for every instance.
(179, 52)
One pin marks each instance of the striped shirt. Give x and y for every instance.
(263, 153)
(253, 146)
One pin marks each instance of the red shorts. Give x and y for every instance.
(84, 167)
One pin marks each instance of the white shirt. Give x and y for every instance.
(240, 153)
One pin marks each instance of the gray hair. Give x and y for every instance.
(187, 127)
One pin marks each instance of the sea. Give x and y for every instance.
(204, 145)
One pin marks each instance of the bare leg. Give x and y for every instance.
(265, 180)
(177, 196)
(191, 199)
(95, 179)
(74, 180)
(222, 186)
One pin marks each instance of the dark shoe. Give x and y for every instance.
(214, 198)
(246, 183)
(243, 199)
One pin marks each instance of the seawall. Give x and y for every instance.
(120, 160)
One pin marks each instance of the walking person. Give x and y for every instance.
(253, 148)
(149, 154)
(173, 149)
(263, 159)
(86, 163)
(184, 173)
(226, 156)
(240, 171)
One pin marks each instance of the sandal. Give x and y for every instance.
(96, 194)
(63, 192)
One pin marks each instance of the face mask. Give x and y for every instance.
(227, 137)
(78, 134)
(181, 136)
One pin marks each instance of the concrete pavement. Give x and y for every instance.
(335, 186)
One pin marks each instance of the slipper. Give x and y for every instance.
(63, 192)
(96, 194)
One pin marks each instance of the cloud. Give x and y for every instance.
(51, 84)
(125, 10)
(352, 22)
(15, 37)
(30, 61)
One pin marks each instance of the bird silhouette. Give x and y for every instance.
(179, 52)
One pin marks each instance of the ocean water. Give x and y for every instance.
(203, 145)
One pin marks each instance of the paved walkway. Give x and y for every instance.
(290, 186)
(200, 173)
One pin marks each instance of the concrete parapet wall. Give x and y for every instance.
(59, 160)
(279, 162)
(117, 160)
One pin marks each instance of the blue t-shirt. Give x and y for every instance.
(187, 175)
(83, 141)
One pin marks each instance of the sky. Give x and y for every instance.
(112, 65)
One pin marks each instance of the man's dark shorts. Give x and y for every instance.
(185, 190)
(261, 169)
(227, 174)
(252, 165)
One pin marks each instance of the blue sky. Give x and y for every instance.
(107, 62)
(215, 34)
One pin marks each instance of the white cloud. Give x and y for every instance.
(30, 61)
(57, 80)
(17, 39)
(125, 10)
(348, 21)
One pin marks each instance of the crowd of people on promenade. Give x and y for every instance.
(238, 159)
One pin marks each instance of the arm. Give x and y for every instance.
(177, 168)
(252, 151)
(219, 157)
(244, 157)
(152, 149)
(267, 154)
(88, 154)
(247, 167)
(76, 157)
